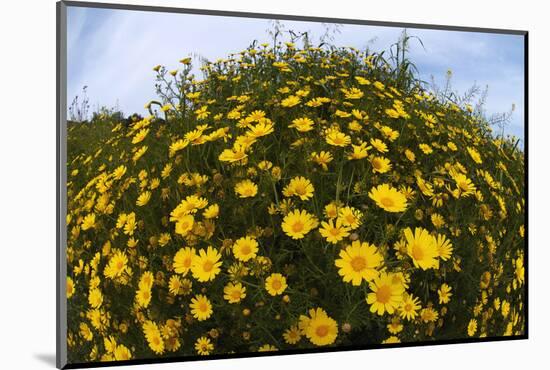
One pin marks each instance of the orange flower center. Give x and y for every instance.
(276, 284)
(297, 226)
(417, 252)
(236, 294)
(387, 202)
(245, 249)
(207, 266)
(358, 263)
(383, 294)
(322, 330)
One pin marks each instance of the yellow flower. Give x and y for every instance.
(332, 232)
(246, 189)
(238, 153)
(122, 353)
(475, 155)
(154, 339)
(359, 151)
(350, 217)
(143, 296)
(183, 260)
(184, 225)
(234, 292)
(386, 296)
(204, 346)
(297, 224)
(206, 265)
(388, 198)
(116, 266)
(275, 284)
(299, 187)
(323, 159)
(201, 308)
(212, 211)
(140, 136)
(175, 285)
(353, 93)
(70, 287)
(290, 101)
(426, 149)
(245, 248)
(444, 247)
(267, 348)
(410, 155)
(303, 124)
(88, 222)
(379, 145)
(472, 327)
(422, 248)
(380, 164)
(119, 172)
(143, 198)
(261, 129)
(95, 298)
(444, 293)
(409, 307)
(337, 138)
(292, 335)
(319, 328)
(359, 262)
(464, 184)
(146, 280)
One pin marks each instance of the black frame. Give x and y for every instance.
(61, 105)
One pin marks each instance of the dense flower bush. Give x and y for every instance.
(292, 199)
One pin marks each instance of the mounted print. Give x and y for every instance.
(235, 185)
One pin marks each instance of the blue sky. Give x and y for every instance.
(113, 52)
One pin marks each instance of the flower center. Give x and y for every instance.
(383, 294)
(276, 284)
(207, 266)
(358, 263)
(203, 307)
(417, 252)
(335, 231)
(245, 249)
(187, 262)
(298, 226)
(387, 202)
(322, 330)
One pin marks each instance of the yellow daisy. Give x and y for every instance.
(319, 328)
(388, 198)
(234, 292)
(386, 295)
(334, 232)
(206, 265)
(297, 224)
(201, 308)
(358, 262)
(183, 260)
(422, 248)
(245, 248)
(275, 284)
(246, 189)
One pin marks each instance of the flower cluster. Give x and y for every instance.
(293, 198)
